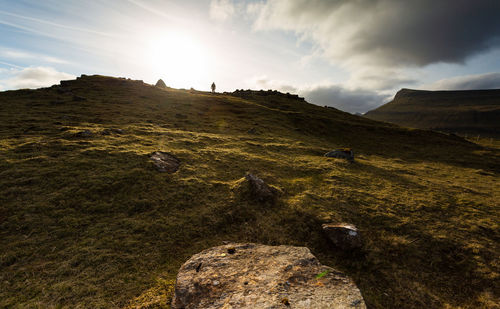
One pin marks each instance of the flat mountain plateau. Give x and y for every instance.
(87, 221)
(464, 112)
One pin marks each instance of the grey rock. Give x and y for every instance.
(249, 275)
(252, 131)
(84, 133)
(161, 84)
(343, 235)
(343, 153)
(259, 190)
(165, 162)
(111, 131)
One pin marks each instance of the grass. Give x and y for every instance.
(89, 222)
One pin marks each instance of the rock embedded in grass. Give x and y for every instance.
(259, 190)
(111, 131)
(252, 130)
(259, 276)
(165, 162)
(343, 235)
(342, 153)
(84, 133)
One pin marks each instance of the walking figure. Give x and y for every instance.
(213, 87)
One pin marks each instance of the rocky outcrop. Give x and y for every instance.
(160, 83)
(257, 276)
(248, 94)
(165, 162)
(343, 235)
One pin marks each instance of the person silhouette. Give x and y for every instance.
(213, 87)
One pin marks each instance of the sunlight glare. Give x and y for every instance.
(178, 59)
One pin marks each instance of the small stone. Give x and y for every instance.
(343, 235)
(252, 131)
(111, 131)
(117, 131)
(84, 133)
(342, 153)
(165, 162)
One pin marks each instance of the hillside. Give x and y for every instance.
(87, 221)
(466, 112)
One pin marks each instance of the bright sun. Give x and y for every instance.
(178, 59)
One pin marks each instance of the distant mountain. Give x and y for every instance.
(462, 112)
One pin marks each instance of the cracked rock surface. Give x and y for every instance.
(249, 275)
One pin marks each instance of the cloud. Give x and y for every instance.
(221, 10)
(369, 35)
(32, 77)
(352, 100)
(468, 82)
(262, 82)
(379, 78)
(348, 100)
(10, 65)
(46, 22)
(20, 54)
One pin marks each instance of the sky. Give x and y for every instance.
(350, 54)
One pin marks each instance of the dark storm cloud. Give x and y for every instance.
(353, 101)
(469, 82)
(389, 32)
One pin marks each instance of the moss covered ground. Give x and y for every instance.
(88, 222)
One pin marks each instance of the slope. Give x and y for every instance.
(87, 221)
(463, 112)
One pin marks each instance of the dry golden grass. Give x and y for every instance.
(89, 222)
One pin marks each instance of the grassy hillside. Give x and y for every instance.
(468, 112)
(87, 221)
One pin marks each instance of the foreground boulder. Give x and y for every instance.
(256, 276)
(343, 235)
(342, 153)
(165, 162)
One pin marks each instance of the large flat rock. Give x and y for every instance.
(256, 276)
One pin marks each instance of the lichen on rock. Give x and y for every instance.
(238, 275)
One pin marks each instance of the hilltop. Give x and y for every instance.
(472, 112)
(86, 220)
